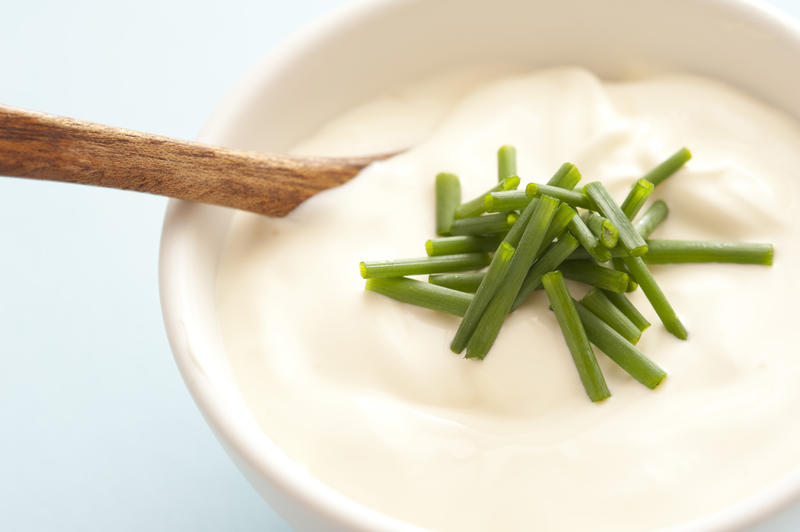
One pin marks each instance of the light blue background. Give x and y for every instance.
(97, 431)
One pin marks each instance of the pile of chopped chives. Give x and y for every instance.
(536, 238)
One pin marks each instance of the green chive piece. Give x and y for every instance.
(574, 198)
(515, 233)
(552, 259)
(651, 218)
(506, 162)
(632, 285)
(448, 198)
(579, 229)
(631, 241)
(683, 251)
(486, 290)
(587, 272)
(560, 223)
(618, 264)
(628, 308)
(575, 336)
(474, 207)
(463, 282)
(658, 300)
(619, 349)
(636, 198)
(694, 251)
(616, 254)
(567, 176)
(492, 320)
(582, 254)
(606, 232)
(505, 200)
(469, 281)
(424, 265)
(645, 225)
(668, 167)
(603, 308)
(422, 294)
(450, 245)
(488, 224)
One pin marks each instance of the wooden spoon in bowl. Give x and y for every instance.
(55, 148)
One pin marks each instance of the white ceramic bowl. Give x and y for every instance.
(366, 48)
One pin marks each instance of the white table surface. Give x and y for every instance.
(98, 432)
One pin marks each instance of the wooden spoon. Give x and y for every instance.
(55, 148)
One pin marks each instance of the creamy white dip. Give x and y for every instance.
(364, 392)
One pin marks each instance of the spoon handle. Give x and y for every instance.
(42, 146)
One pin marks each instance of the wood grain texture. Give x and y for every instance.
(41, 146)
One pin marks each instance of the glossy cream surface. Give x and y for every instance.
(363, 391)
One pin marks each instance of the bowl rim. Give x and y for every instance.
(272, 463)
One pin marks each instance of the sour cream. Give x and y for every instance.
(363, 391)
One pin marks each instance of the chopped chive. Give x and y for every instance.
(422, 294)
(574, 198)
(618, 264)
(506, 162)
(582, 254)
(651, 218)
(549, 261)
(619, 349)
(694, 251)
(668, 167)
(469, 282)
(658, 300)
(606, 232)
(486, 290)
(628, 308)
(450, 245)
(560, 223)
(603, 308)
(575, 336)
(587, 272)
(474, 207)
(463, 282)
(492, 320)
(448, 198)
(616, 255)
(424, 265)
(567, 176)
(515, 233)
(645, 225)
(505, 200)
(488, 224)
(631, 241)
(632, 285)
(636, 198)
(683, 251)
(579, 229)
